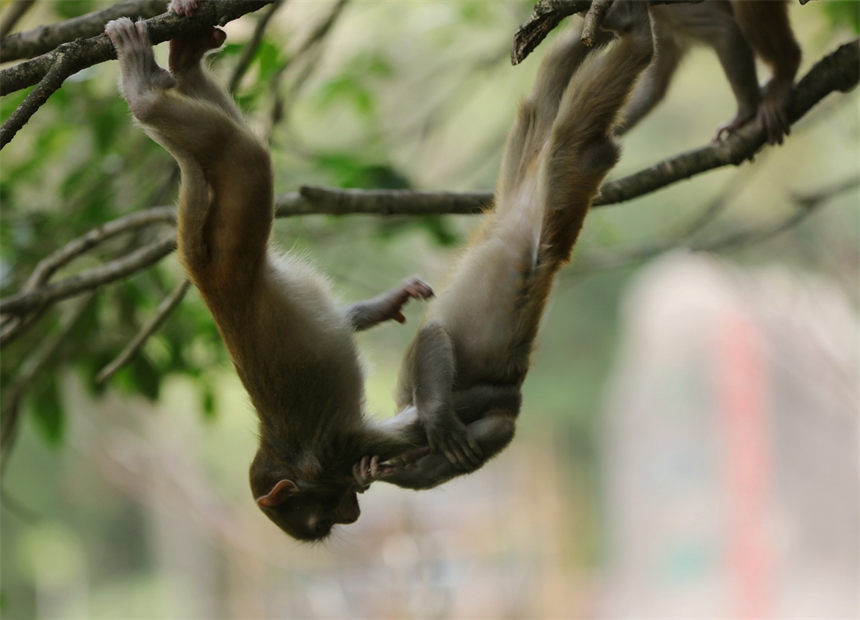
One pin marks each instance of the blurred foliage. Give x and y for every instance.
(842, 13)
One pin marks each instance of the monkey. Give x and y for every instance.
(462, 374)
(737, 31)
(289, 340)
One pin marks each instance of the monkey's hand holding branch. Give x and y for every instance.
(388, 305)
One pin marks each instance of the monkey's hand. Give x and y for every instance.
(388, 306)
(369, 470)
(448, 435)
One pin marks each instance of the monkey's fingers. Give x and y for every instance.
(417, 289)
(463, 452)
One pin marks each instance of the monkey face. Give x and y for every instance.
(310, 515)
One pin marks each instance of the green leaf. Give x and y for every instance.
(47, 410)
(207, 398)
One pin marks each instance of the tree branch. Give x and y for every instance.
(547, 14)
(51, 70)
(164, 309)
(45, 38)
(92, 279)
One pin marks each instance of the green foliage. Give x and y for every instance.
(845, 13)
(47, 410)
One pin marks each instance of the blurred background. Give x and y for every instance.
(688, 440)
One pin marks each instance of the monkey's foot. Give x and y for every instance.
(140, 73)
(727, 129)
(186, 8)
(773, 111)
(369, 470)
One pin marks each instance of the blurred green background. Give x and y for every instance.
(131, 500)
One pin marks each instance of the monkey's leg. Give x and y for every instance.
(715, 25)
(581, 149)
(387, 306)
(235, 225)
(655, 80)
(186, 54)
(538, 110)
(767, 28)
(433, 383)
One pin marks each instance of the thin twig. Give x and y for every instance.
(151, 326)
(280, 105)
(249, 50)
(593, 18)
(92, 279)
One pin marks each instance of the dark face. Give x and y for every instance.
(310, 515)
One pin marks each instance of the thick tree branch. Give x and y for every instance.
(51, 70)
(45, 38)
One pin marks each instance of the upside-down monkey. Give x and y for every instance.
(461, 375)
(290, 342)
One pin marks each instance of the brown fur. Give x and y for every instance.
(290, 342)
(462, 373)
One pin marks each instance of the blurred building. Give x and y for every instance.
(730, 447)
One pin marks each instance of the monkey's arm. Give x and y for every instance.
(489, 413)
(655, 80)
(433, 369)
(422, 469)
(388, 305)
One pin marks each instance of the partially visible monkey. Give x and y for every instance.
(291, 344)
(737, 31)
(461, 376)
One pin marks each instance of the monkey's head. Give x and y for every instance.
(306, 511)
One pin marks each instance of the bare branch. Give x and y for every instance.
(805, 205)
(92, 279)
(47, 266)
(51, 70)
(45, 38)
(593, 17)
(250, 49)
(136, 344)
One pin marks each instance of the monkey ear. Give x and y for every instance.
(279, 493)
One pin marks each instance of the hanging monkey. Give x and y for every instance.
(290, 342)
(461, 375)
(737, 31)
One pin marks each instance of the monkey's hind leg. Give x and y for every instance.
(581, 150)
